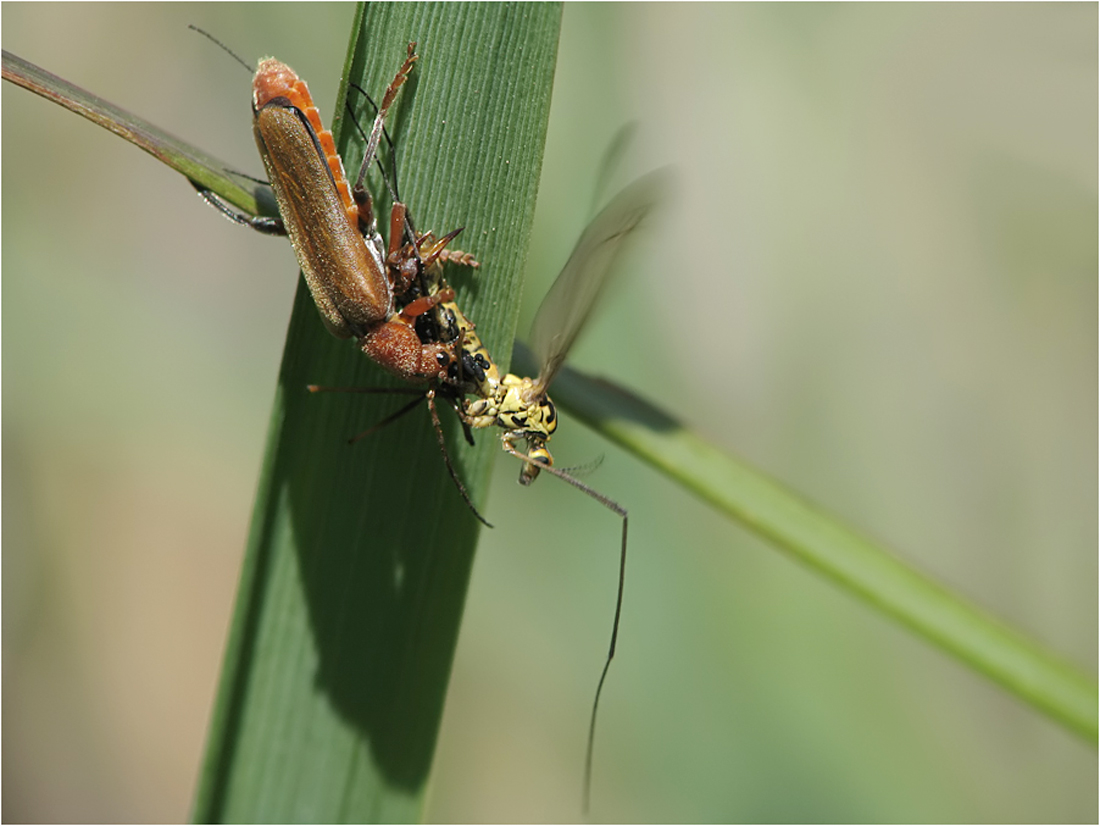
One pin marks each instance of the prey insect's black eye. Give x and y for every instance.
(475, 366)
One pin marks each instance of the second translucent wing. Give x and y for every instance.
(573, 295)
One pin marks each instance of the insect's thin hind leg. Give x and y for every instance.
(466, 431)
(392, 185)
(606, 666)
(380, 117)
(359, 192)
(615, 507)
(447, 460)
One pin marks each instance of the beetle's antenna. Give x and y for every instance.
(221, 46)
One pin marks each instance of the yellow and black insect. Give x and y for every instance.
(521, 406)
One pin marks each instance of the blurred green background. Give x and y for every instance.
(878, 283)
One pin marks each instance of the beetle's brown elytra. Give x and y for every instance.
(350, 273)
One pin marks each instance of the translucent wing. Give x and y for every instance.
(573, 295)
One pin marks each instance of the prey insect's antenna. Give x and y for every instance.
(447, 460)
(618, 509)
(221, 46)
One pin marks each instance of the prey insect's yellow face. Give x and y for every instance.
(526, 409)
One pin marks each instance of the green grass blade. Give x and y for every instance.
(198, 166)
(358, 558)
(853, 562)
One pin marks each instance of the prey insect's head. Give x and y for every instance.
(543, 418)
(542, 422)
(526, 411)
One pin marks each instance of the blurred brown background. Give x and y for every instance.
(878, 284)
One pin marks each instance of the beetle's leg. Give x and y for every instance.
(421, 305)
(379, 119)
(260, 223)
(437, 250)
(402, 258)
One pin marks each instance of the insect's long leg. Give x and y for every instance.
(439, 250)
(615, 507)
(391, 185)
(260, 223)
(394, 190)
(380, 117)
(456, 406)
(606, 665)
(447, 460)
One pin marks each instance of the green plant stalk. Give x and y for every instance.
(853, 562)
(358, 558)
(201, 168)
